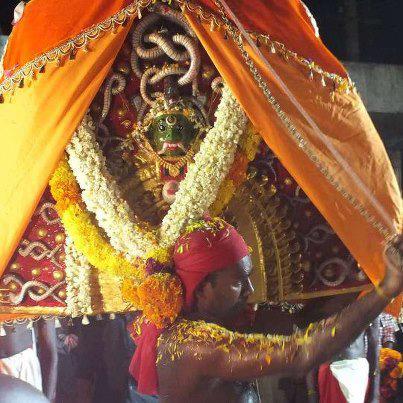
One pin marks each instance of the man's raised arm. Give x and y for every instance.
(235, 356)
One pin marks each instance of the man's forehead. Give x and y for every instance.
(242, 267)
(246, 264)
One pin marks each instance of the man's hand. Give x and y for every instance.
(70, 342)
(392, 283)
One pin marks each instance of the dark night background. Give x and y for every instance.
(377, 24)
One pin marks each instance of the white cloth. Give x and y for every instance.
(24, 366)
(352, 376)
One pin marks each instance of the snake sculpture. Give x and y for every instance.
(164, 39)
(152, 41)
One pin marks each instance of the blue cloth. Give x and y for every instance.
(135, 397)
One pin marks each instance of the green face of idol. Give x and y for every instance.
(171, 135)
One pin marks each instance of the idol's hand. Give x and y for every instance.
(392, 283)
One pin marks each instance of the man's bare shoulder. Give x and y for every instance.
(191, 340)
(197, 340)
(183, 340)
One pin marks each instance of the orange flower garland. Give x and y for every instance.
(391, 366)
(79, 224)
(159, 297)
(64, 187)
(246, 153)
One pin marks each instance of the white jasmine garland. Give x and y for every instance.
(101, 194)
(196, 192)
(211, 165)
(78, 271)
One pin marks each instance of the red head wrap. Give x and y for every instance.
(207, 246)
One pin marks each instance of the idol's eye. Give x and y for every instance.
(161, 127)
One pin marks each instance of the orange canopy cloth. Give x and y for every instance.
(343, 119)
(46, 24)
(38, 120)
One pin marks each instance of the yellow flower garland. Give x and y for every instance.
(250, 142)
(248, 145)
(227, 191)
(85, 234)
(161, 255)
(159, 296)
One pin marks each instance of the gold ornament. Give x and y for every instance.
(62, 294)
(42, 232)
(122, 112)
(127, 124)
(123, 68)
(58, 275)
(60, 237)
(15, 266)
(172, 164)
(36, 272)
(13, 286)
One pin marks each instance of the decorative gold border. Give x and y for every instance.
(298, 137)
(81, 42)
(71, 46)
(202, 14)
(33, 310)
(26, 320)
(55, 311)
(327, 293)
(341, 84)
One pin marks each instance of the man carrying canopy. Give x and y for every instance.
(199, 358)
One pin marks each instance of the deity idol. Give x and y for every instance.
(168, 137)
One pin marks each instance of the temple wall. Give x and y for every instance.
(381, 88)
(380, 85)
(3, 40)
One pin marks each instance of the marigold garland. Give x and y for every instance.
(391, 366)
(227, 190)
(250, 142)
(387, 354)
(102, 195)
(159, 297)
(84, 233)
(161, 255)
(248, 146)
(64, 187)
